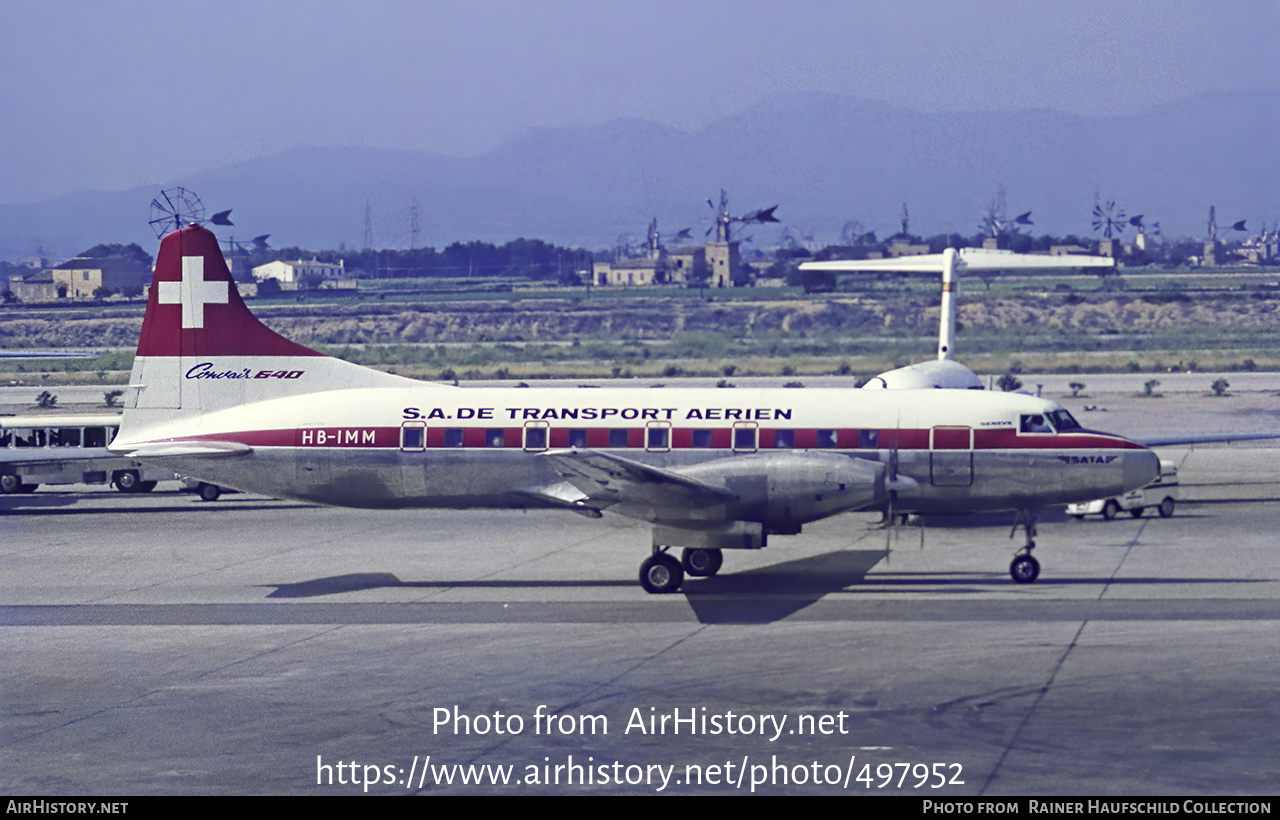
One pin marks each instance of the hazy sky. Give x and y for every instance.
(113, 94)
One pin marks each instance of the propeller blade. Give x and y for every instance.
(1239, 226)
(1024, 219)
(260, 242)
(222, 217)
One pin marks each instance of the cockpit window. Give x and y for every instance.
(1035, 423)
(1064, 421)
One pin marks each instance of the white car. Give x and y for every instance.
(1160, 494)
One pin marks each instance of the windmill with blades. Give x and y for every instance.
(178, 207)
(723, 257)
(636, 264)
(1214, 245)
(997, 228)
(1109, 219)
(239, 255)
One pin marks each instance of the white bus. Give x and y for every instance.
(37, 450)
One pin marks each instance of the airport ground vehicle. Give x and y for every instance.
(1160, 495)
(37, 450)
(203, 489)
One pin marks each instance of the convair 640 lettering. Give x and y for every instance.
(218, 395)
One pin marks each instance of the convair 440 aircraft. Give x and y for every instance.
(217, 395)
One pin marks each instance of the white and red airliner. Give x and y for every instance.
(217, 395)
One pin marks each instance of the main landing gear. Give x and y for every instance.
(662, 573)
(1024, 569)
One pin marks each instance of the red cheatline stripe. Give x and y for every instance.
(680, 438)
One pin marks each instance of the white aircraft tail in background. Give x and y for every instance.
(945, 373)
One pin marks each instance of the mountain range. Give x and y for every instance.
(825, 159)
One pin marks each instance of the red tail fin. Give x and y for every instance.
(195, 310)
(201, 350)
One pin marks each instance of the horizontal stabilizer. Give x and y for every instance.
(966, 259)
(185, 449)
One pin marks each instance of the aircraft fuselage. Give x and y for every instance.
(937, 451)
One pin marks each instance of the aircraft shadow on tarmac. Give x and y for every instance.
(70, 504)
(762, 595)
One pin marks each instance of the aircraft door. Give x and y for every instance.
(951, 456)
(413, 476)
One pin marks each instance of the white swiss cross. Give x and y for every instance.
(193, 293)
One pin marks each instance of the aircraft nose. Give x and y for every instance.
(1140, 468)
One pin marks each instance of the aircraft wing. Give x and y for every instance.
(1204, 438)
(643, 490)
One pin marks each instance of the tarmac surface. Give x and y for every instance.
(155, 644)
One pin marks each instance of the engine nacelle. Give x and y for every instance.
(784, 490)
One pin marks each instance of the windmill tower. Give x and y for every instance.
(723, 255)
(1210, 257)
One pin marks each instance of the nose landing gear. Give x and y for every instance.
(1024, 569)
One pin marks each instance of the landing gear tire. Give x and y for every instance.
(1137, 513)
(13, 484)
(208, 492)
(1110, 510)
(700, 563)
(127, 481)
(660, 574)
(1166, 508)
(1024, 569)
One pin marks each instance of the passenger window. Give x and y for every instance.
(869, 438)
(66, 437)
(617, 438)
(701, 438)
(453, 437)
(784, 439)
(744, 438)
(826, 438)
(495, 438)
(658, 438)
(535, 438)
(411, 438)
(577, 438)
(29, 437)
